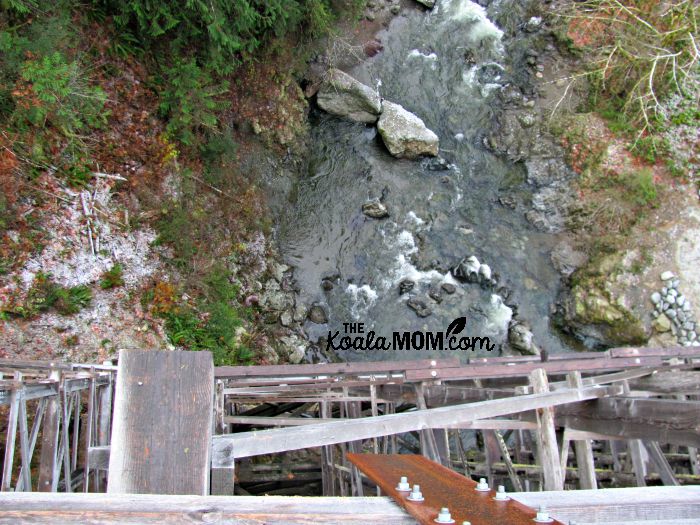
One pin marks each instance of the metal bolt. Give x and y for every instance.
(444, 516)
(543, 515)
(433, 373)
(416, 494)
(482, 486)
(433, 363)
(466, 523)
(403, 485)
(501, 494)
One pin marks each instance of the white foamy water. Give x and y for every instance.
(498, 316)
(471, 13)
(405, 245)
(363, 297)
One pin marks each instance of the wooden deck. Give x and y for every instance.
(161, 437)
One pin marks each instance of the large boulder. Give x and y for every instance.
(404, 134)
(344, 96)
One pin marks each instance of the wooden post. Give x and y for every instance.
(38, 418)
(428, 444)
(25, 456)
(657, 456)
(546, 435)
(583, 448)
(514, 479)
(10, 441)
(637, 453)
(49, 438)
(89, 423)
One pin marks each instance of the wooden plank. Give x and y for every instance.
(230, 446)
(514, 479)
(25, 456)
(49, 439)
(524, 369)
(669, 382)
(631, 505)
(89, 421)
(141, 509)
(163, 409)
(546, 436)
(352, 368)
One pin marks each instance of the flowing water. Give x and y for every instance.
(437, 217)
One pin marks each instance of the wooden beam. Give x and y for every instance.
(49, 440)
(163, 410)
(663, 420)
(228, 447)
(146, 509)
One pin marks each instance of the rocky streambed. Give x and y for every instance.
(433, 190)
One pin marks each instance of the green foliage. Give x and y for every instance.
(650, 147)
(77, 173)
(176, 229)
(641, 187)
(60, 96)
(46, 294)
(113, 277)
(189, 100)
(219, 328)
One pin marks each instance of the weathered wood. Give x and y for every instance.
(89, 423)
(475, 370)
(514, 479)
(230, 446)
(662, 420)
(222, 482)
(546, 436)
(353, 368)
(663, 468)
(163, 409)
(632, 505)
(25, 455)
(49, 440)
(98, 457)
(38, 418)
(10, 441)
(669, 382)
(141, 509)
(583, 448)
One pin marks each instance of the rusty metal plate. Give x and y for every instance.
(441, 487)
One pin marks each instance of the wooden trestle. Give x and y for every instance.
(627, 416)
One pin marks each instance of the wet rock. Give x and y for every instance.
(418, 306)
(406, 286)
(296, 348)
(521, 339)
(427, 3)
(662, 324)
(550, 208)
(448, 288)
(327, 285)
(437, 164)
(485, 272)
(467, 269)
(342, 95)
(317, 315)
(404, 134)
(395, 9)
(375, 209)
(435, 293)
(566, 259)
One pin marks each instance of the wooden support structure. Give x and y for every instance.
(164, 450)
(546, 435)
(582, 447)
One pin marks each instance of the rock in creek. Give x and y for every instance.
(404, 134)
(520, 338)
(427, 3)
(406, 286)
(449, 288)
(419, 307)
(317, 315)
(344, 96)
(375, 209)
